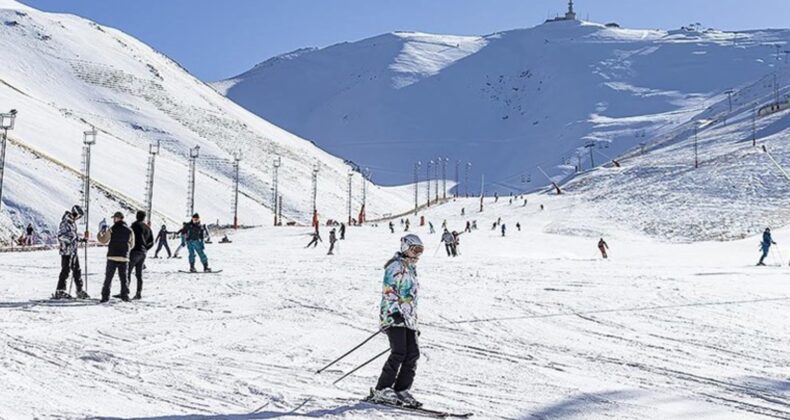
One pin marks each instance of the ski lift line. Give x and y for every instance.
(770, 156)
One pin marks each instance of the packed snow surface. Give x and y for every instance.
(534, 325)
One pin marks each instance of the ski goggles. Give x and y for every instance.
(416, 250)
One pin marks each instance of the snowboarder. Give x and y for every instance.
(143, 241)
(392, 227)
(603, 246)
(430, 227)
(765, 245)
(332, 240)
(316, 237)
(195, 235)
(225, 240)
(161, 239)
(182, 235)
(398, 316)
(30, 234)
(449, 243)
(504, 228)
(342, 231)
(68, 240)
(120, 241)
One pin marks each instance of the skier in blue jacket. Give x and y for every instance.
(765, 245)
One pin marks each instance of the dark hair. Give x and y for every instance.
(140, 215)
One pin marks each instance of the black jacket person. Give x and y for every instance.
(120, 241)
(143, 241)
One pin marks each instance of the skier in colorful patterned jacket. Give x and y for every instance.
(68, 240)
(399, 320)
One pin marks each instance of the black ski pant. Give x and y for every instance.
(449, 248)
(159, 248)
(69, 264)
(112, 267)
(401, 366)
(331, 248)
(136, 263)
(314, 243)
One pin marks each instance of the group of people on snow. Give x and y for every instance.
(127, 248)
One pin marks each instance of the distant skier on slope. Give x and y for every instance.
(332, 240)
(504, 229)
(392, 227)
(68, 240)
(431, 229)
(408, 224)
(119, 240)
(468, 228)
(449, 243)
(342, 231)
(30, 234)
(398, 316)
(603, 246)
(765, 245)
(518, 226)
(315, 238)
(161, 240)
(143, 242)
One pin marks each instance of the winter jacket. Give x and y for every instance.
(448, 238)
(67, 236)
(332, 237)
(767, 241)
(162, 235)
(143, 237)
(399, 295)
(119, 240)
(193, 231)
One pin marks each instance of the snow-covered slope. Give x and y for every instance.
(507, 102)
(64, 73)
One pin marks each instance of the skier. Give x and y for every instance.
(444, 224)
(392, 227)
(504, 228)
(496, 197)
(161, 239)
(463, 211)
(316, 237)
(603, 246)
(119, 240)
(195, 235)
(398, 316)
(474, 224)
(518, 226)
(765, 245)
(342, 231)
(525, 203)
(143, 241)
(407, 225)
(430, 226)
(468, 228)
(69, 261)
(30, 233)
(449, 243)
(182, 235)
(541, 207)
(332, 240)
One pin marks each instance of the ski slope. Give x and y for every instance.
(64, 73)
(530, 326)
(511, 103)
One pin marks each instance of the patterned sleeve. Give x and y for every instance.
(393, 276)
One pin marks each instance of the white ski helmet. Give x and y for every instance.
(409, 241)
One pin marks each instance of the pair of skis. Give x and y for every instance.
(417, 410)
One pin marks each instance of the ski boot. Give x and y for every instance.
(192, 269)
(384, 396)
(206, 269)
(81, 294)
(137, 296)
(407, 400)
(124, 298)
(61, 294)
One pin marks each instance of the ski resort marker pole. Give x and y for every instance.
(89, 139)
(361, 366)
(417, 186)
(276, 194)
(153, 150)
(348, 352)
(236, 161)
(6, 123)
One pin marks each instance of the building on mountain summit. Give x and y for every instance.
(569, 15)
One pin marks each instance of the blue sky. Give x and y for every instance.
(221, 38)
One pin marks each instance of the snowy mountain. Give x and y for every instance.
(64, 73)
(511, 103)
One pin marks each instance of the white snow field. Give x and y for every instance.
(534, 325)
(64, 73)
(539, 93)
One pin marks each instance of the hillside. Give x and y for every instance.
(509, 102)
(64, 73)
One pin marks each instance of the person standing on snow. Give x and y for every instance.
(603, 246)
(504, 228)
(30, 234)
(456, 243)
(332, 240)
(143, 241)
(430, 227)
(68, 241)
(392, 227)
(765, 245)
(518, 226)
(342, 231)
(161, 239)
(195, 235)
(468, 228)
(120, 241)
(398, 315)
(407, 225)
(449, 242)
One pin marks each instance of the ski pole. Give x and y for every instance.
(348, 352)
(361, 366)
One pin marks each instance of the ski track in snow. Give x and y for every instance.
(531, 326)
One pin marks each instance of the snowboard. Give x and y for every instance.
(200, 272)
